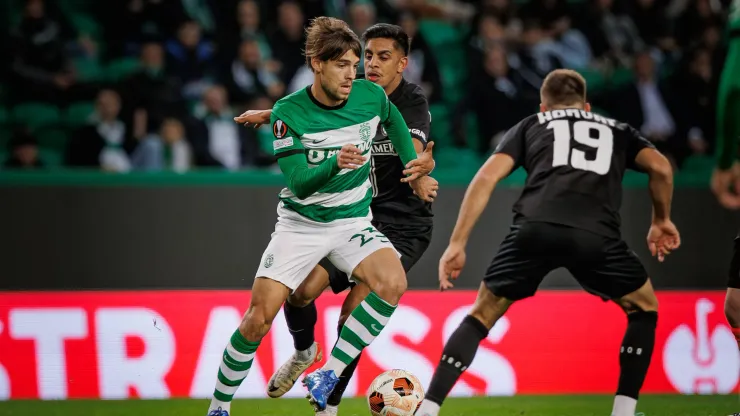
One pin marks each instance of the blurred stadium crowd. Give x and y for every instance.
(125, 85)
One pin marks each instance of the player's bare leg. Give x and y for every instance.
(301, 315)
(383, 273)
(732, 311)
(460, 349)
(641, 307)
(267, 298)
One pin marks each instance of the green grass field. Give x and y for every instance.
(498, 406)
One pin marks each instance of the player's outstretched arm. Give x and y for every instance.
(476, 198)
(663, 236)
(254, 118)
(399, 134)
(497, 167)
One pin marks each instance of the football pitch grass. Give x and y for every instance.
(650, 405)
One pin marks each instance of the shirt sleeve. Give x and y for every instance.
(635, 143)
(301, 180)
(418, 119)
(286, 142)
(399, 134)
(513, 144)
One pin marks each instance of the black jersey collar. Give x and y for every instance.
(324, 106)
(399, 90)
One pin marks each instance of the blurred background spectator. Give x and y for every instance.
(153, 84)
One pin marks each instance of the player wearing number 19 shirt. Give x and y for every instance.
(567, 216)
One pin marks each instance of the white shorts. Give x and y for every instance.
(297, 247)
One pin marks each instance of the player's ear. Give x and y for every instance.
(316, 64)
(542, 108)
(587, 107)
(402, 64)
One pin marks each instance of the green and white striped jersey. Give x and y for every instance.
(302, 125)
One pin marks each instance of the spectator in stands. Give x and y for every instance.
(202, 12)
(697, 98)
(190, 59)
(108, 142)
(497, 90)
(150, 95)
(249, 77)
(41, 68)
(24, 151)
(423, 69)
(694, 20)
(287, 42)
(248, 27)
(711, 41)
(647, 105)
(568, 44)
(613, 36)
(535, 57)
(127, 24)
(216, 139)
(503, 10)
(362, 15)
(490, 33)
(167, 150)
(653, 24)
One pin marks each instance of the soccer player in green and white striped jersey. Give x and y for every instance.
(323, 139)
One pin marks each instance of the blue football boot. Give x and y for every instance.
(320, 384)
(218, 412)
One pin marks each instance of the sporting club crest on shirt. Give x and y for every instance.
(365, 132)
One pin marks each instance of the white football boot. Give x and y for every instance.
(285, 377)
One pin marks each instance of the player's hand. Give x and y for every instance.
(420, 166)
(425, 188)
(254, 118)
(663, 238)
(350, 157)
(724, 182)
(450, 265)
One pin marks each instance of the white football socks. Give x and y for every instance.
(428, 408)
(624, 406)
(308, 354)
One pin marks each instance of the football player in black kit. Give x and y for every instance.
(567, 216)
(398, 211)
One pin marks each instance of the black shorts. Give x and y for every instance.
(733, 280)
(410, 240)
(603, 266)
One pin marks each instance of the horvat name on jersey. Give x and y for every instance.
(555, 114)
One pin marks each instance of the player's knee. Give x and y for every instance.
(255, 324)
(490, 311)
(639, 304)
(299, 299)
(391, 286)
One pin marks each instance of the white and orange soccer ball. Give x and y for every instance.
(395, 393)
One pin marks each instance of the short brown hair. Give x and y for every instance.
(563, 87)
(328, 39)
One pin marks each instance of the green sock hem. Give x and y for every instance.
(242, 345)
(379, 305)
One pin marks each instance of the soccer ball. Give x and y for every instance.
(395, 393)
